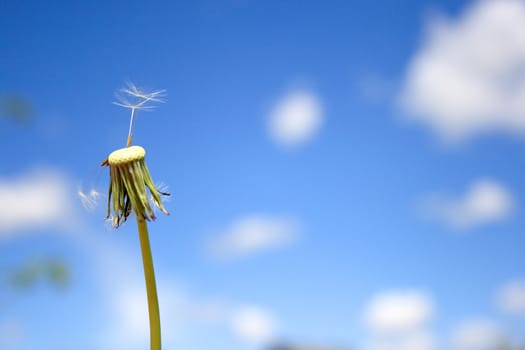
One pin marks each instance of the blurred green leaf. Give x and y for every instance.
(16, 107)
(24, 278)
(58, 273)
(53, 271)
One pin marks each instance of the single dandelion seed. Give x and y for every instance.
(134, 98)
(89, 199)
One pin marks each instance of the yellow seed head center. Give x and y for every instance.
(126, 155)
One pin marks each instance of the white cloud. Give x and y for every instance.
(253, 234)
(399, 320)
(132, 315)
(254, 325)
(468, 77)
(477, 335)
(34, 200)
(182, 316)
(296, 118)
(511, 298)
(486, 201)
(398, 311)
(122, 284)
(180, 313)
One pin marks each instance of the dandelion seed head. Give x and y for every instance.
(130, 182)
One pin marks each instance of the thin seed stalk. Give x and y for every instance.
(151, 287)
(130, 132)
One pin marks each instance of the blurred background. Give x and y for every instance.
(344, 174)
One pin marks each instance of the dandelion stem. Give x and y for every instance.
(130, 132)
(151, 287)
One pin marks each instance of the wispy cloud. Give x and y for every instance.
(180, 314)
(398, 311)
(485, 201)
(400, 320)
(35, 200)
(511, 298)
(253, 234)
(476, 334)
(468, 76)
(254, 325)
(296, 118)
(184, 315)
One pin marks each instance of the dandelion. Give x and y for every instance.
(130, 181)
(134, 98)
(129, 177)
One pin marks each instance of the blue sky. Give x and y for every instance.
(342, 172)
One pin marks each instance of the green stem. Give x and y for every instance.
(151, 287)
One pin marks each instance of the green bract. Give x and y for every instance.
(129, 177)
